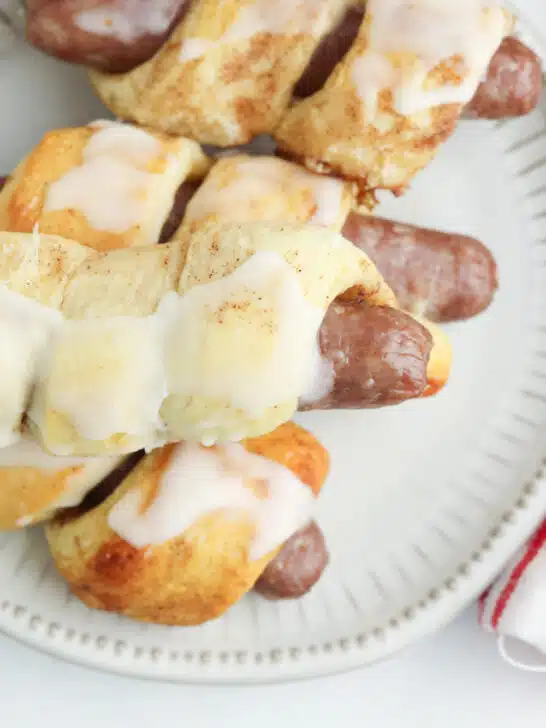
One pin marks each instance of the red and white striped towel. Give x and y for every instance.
(514, 607)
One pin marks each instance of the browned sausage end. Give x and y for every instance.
(379, 357)
(297, 567)
(513, 86)
(440, 276)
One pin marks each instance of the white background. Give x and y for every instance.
(453, 679)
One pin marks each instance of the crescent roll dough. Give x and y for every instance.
(441, 357)
(183, 551)
(35, 485)
(243, 188)
(227, 72)
(398, 93)
(106, 185)
(209, 338)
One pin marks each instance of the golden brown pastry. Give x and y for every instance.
(441, 357)
(191, 529)
(242, 188)
(398, 93)
(35, 485)
(212, 337)
(226, 73)
(107, 185)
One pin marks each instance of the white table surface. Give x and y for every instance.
(452, 680)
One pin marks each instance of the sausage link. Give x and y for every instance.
(378, 355)
(297, 567)
(513, 86)
(184, 194)
(104, 489)
(109, 35)
(441, 276)
(329, 52)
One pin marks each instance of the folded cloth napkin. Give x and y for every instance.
(514, 607)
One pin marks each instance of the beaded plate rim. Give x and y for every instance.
(431, 613)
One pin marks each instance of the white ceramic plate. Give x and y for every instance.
(425, 502)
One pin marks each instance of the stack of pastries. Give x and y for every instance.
(168, 307)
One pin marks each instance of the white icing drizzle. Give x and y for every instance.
(127, 20)
(278, 325)
(107, 376)
(24, 521)
(69, 487)
(328, 195)
(283, 17)
(28, 454)
(321, 378)
(25, 329)
(432, 31)
(247, 341)
(371, 73)
(111, 186)
(199, 481)
(270, 180)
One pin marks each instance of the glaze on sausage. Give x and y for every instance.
(440, 276)
(297, 567)
(109, 35)
(513, 86)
